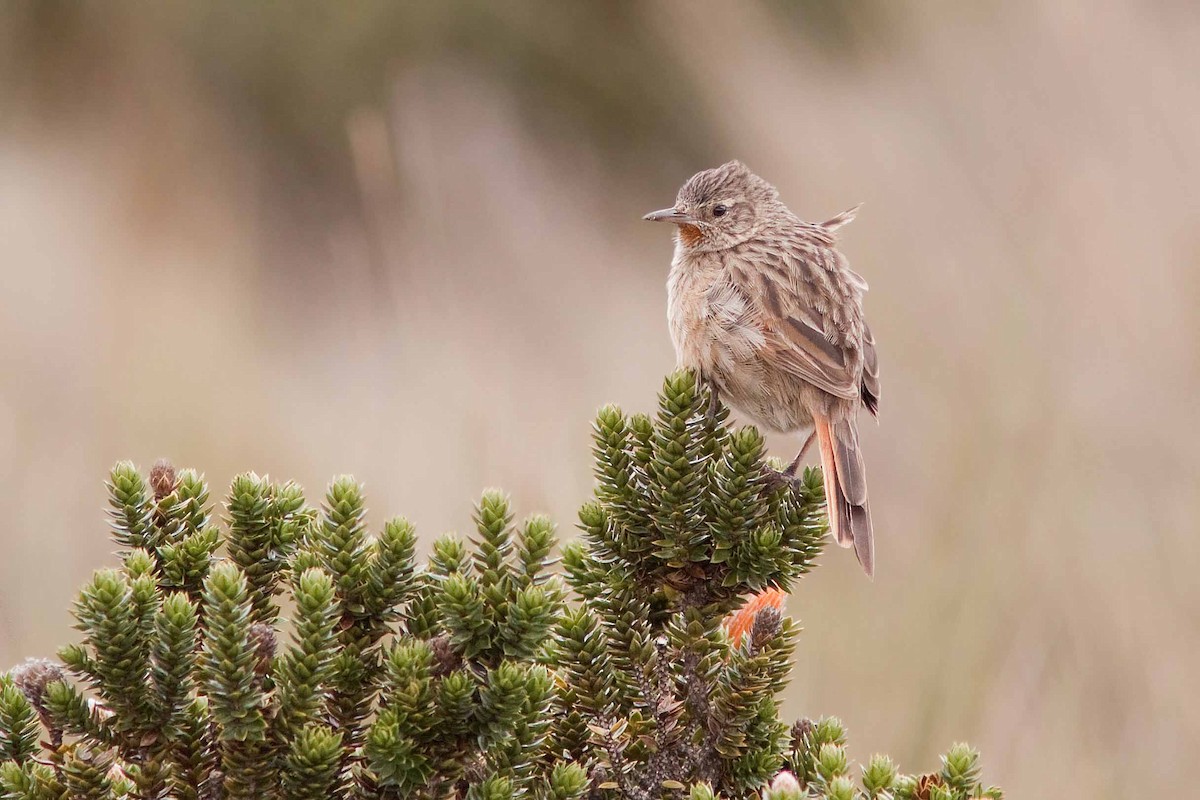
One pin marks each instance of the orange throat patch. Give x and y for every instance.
(690, 235)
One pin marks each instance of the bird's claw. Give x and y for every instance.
(779, 479)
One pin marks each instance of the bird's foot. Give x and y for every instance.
(780, 478)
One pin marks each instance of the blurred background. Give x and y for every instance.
(405, 241)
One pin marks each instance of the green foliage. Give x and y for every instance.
(86, 773)
(261, 533)
(316, 660)
(29, 781)
(304, 670)
(311, 766)
(228, 657)
(173, 656)
(18, 724)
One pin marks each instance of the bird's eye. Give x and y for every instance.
(719, 210)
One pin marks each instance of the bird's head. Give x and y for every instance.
(720, 207)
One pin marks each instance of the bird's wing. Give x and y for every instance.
(796, 303)
(870, 378)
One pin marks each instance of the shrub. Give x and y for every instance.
(316, 660)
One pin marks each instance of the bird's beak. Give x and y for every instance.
(670, 215)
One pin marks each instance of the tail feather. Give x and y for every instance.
(835, 502)
(852, 475)
(864, 539)
(846, 489)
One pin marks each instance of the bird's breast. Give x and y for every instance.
(712, 325)
(688, 311)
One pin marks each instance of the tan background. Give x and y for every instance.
(406, 243)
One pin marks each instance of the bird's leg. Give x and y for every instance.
(790, 472)
(714, 402)
(787, 477)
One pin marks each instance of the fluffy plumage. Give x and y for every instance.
(767, 310)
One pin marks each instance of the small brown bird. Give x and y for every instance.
(767, 311)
